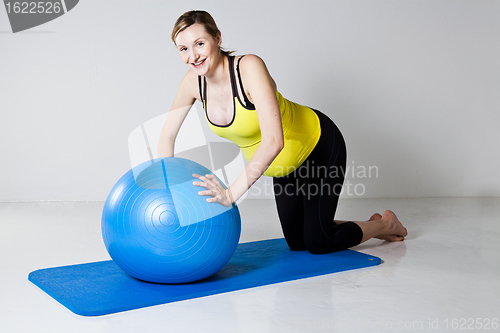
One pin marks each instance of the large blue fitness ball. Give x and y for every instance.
(157, 228)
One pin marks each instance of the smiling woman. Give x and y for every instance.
(198, 17)
(198, 48)
(279, 138)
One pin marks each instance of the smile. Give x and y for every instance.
(198, 64)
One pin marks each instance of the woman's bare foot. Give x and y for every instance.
(396, 230)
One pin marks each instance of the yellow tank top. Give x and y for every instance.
(301, 129)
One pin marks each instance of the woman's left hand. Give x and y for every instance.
(214, 189)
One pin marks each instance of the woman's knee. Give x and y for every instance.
(317, 246)
(343, 236)
(295, 244)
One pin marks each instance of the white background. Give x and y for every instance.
(413, 85)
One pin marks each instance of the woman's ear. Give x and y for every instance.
(219, 39)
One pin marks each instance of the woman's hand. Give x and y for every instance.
(214, 189)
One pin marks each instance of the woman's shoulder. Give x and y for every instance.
(251, 60)
(252, 65)
(189, 84)
(190, 76)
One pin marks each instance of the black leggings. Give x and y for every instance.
(307, 198)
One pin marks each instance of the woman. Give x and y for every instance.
(299, 147)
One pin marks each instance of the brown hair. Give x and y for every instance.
(201, 17)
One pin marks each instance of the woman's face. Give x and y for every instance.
(198, 49)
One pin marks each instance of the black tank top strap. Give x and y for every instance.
(231, 74)
(248, 104)
(199, 85)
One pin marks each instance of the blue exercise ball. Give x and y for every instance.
(157, 228)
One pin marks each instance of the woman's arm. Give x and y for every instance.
(261, 90)
(184, 100)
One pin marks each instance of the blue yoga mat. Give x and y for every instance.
(101, 288)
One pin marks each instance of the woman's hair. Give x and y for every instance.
(201, 17)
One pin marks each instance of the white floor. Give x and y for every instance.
(444, 276)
